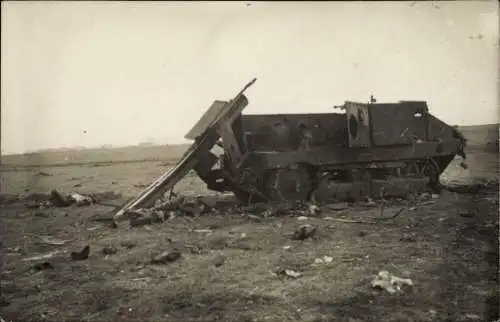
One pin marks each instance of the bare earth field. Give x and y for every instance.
(447, 246)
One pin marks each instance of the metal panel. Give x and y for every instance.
(279, 132)
(439, 130)
(358, 124)
(398, 123)
(206, 120)
(338, 156)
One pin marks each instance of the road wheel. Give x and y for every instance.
(289, 185)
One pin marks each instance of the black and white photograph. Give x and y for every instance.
(248, 161)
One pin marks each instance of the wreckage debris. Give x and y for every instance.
(15, 250)
(391, 283)
(109, 250)
(81, 255)
(491, 185)
(370, 203)
(80, 200)
(313, 209)
(43, 174)
(165, 210)
(466, 214)
(304, 232)
(206, 231)
(128, 244)
(140, 221)
(41, 214)
(42, 266)
(283, 272)
(408, 237)
(473, 316)
(166, 257)
(57, 199)
(253, 217)
(324, 260)
(40, 257)
(48, 240)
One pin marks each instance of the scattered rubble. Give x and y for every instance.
(370, 203)
(313, 209)
(80, 200)
(128, 244)
(42, 266)
(408, 237)
(304, 232)
(166, 257)
(137, 221)
(390, 283)
(48, 240)
(15, 250)
(41, 257)
(324, 260)
(253, 217)
(43, 174)
(474, 188)
(472, 316)
(466, 214)
(81, 255)
(41, 214)
(109, 250)
(58, 200)
(184, 206)
(207, 231)
(283, 272)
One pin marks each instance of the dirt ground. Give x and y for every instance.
(447, 246)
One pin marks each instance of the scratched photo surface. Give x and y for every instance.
(249, 161)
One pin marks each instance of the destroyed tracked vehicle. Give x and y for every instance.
(364, 150)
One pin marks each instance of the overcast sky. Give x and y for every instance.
(88, 74)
